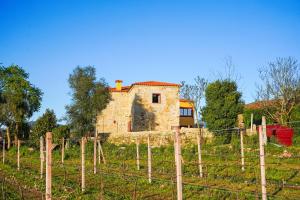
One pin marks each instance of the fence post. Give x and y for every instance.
(242, 148)
(149, 159)
(199, 153)
(82, 164)
(3, 149)
(178, 162)
(42, 155)
(95, 153)
(101, 151)
(262, 164)
(264, 129)
(251, 126)
(62, 150)
(137, 153)
(48, 165)
(18, 154)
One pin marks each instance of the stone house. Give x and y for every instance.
(144, 106)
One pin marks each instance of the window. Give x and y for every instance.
(155, 98)
(186, 112)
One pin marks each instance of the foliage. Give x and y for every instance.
(223, 104)
(257, 116)
(121, 180)
(89, 98)
(62, 131)
(46, 123)
(21, 99)
(280, 88)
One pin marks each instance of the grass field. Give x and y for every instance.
(120, 179)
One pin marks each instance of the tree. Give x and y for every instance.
(61, 131)
(46, 123)
(223, 104)
(21, 98)
(195, 93)
(89, 98)
(279, 92)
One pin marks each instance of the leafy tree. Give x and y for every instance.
(223, 104)
(62, 131)
(279, 92)
(46, 123)
(21, 98)
(89, 98)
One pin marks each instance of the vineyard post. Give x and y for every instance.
(62, 150)
(137, 153)
(3, 148)
(149, 159)
(262, 164)
(82, 164)
(101, 151)
(18, 154)
(48, 165)
(199, 153)
(95, 153)
(242, 148)
(178, 162)
(42, 155)
(251, 126)
(264, 129)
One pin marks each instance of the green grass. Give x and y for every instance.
(119, 178)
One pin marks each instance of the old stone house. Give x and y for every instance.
(144, 106)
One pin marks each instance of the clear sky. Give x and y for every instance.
(144, 40)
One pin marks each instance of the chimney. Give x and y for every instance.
(118, 85)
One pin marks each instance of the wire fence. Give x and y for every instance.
(130, 172)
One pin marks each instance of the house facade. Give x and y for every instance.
(142, 106)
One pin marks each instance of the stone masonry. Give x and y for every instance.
(132, 109)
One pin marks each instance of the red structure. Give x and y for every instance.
(283, 134)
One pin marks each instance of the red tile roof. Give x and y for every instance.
(261, 104)
(156, 83)
(146, 83)
(124, 89)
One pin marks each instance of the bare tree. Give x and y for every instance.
(195, 93)
(279, 91)
(229, 72)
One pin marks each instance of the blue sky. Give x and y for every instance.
(144, 40)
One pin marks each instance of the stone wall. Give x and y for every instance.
(134, 110)
(159, 138)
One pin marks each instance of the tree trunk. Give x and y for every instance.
(8, 137)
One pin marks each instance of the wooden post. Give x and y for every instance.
(82, 164)
(3, 149)
(48, 165)
(178, 163)
(262, 165)
(102, 154)
(242, 148)
(264, 129)
(42, 156)
(199, 153)
(18, 154)
(137, 154)
(251, 128)
(99, 152)
(62, 150)
(95, 153)
(149, 160)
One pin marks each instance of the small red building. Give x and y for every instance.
(283, 134)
